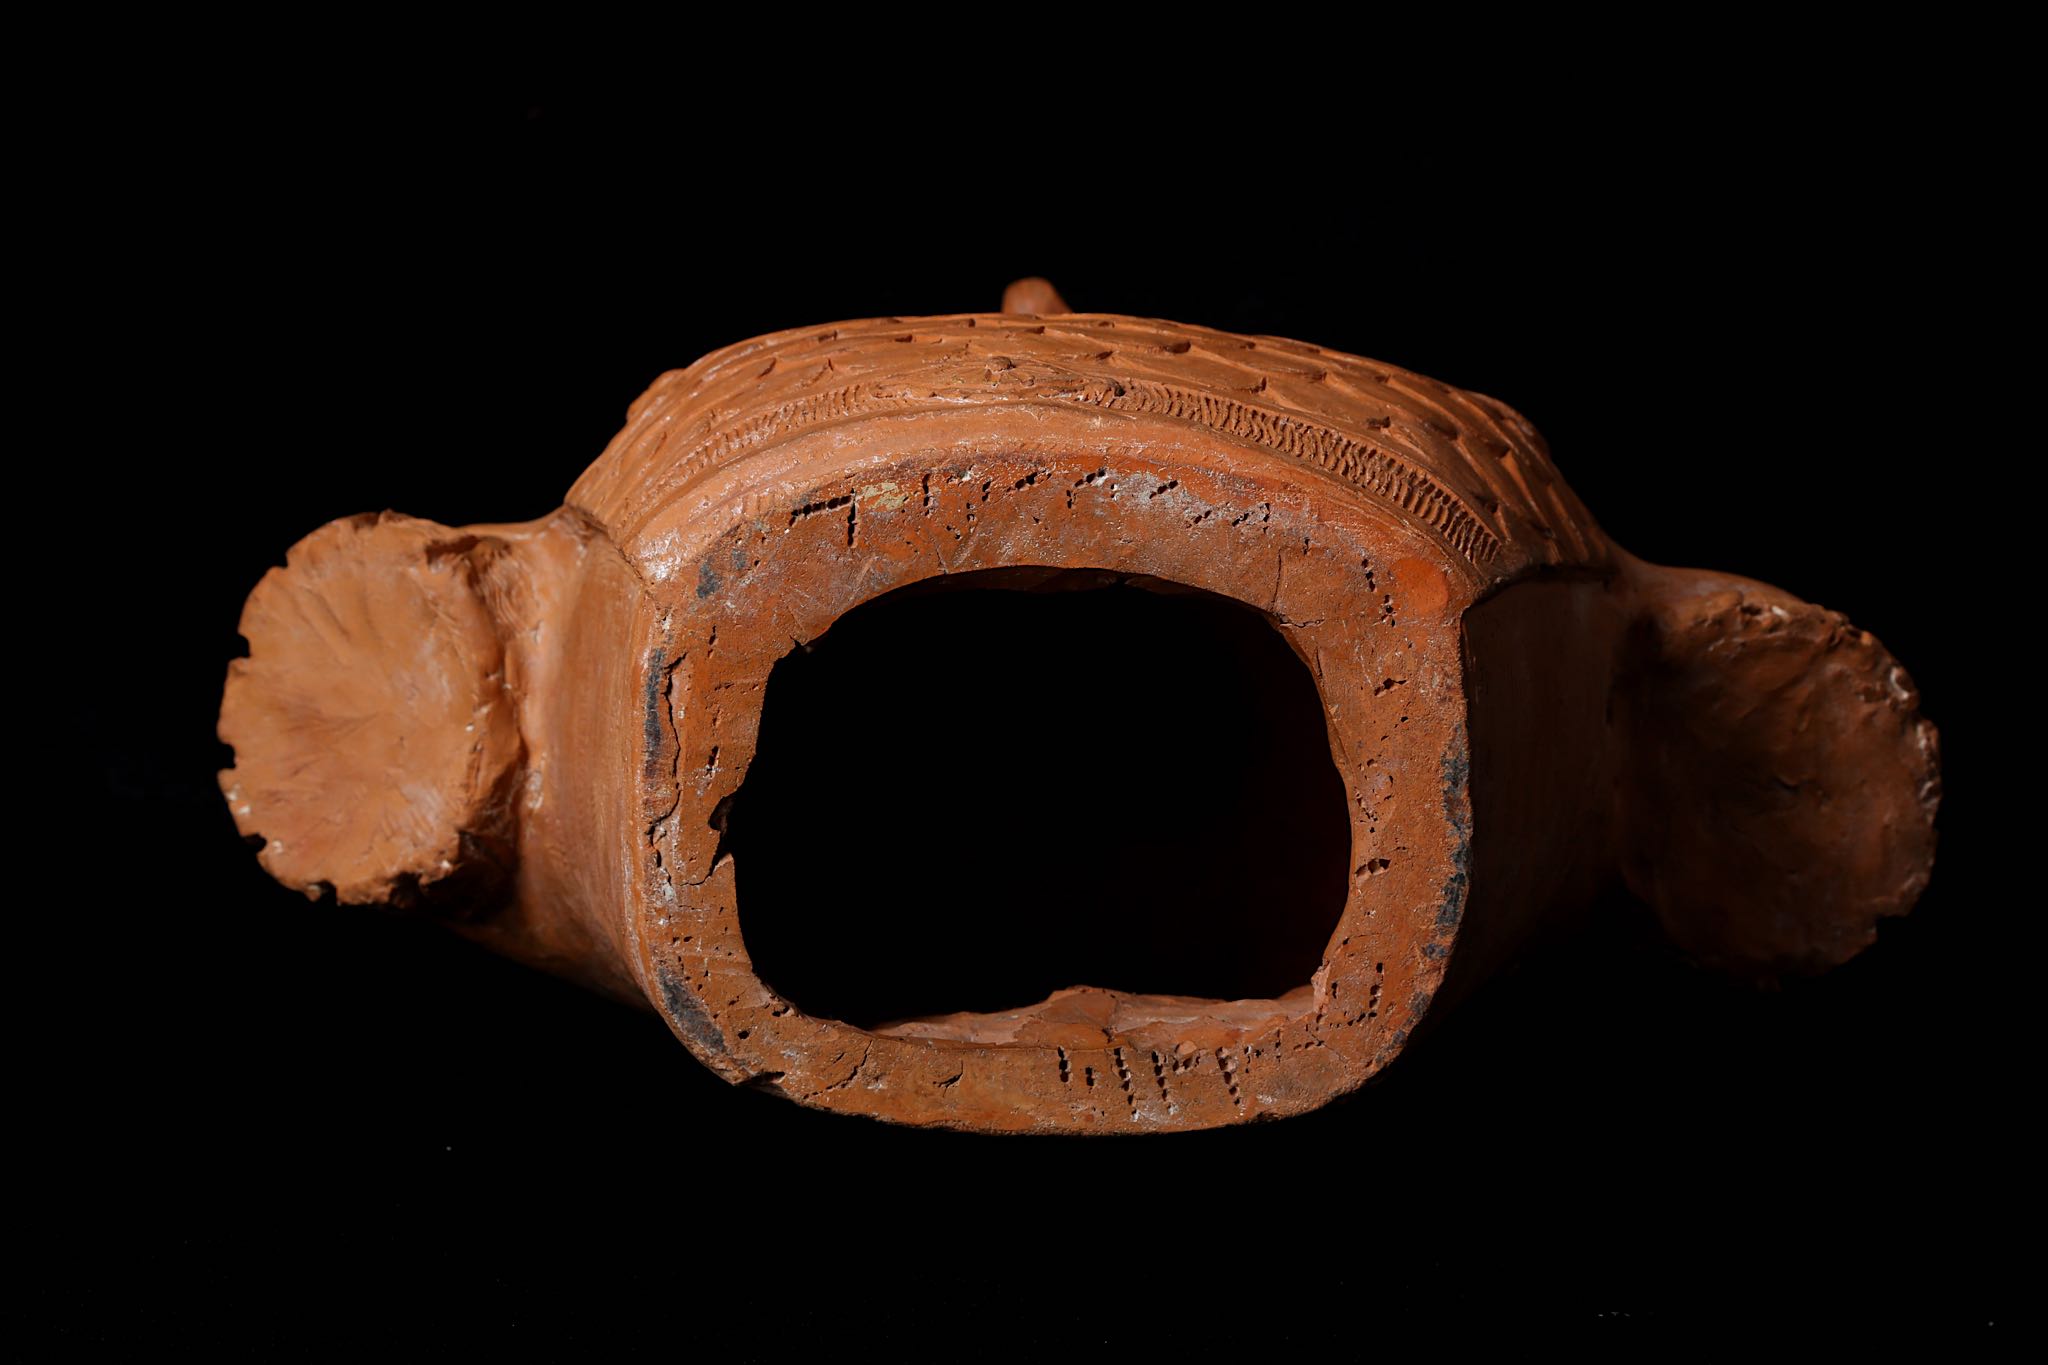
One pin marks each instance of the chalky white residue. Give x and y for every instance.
(662, 557)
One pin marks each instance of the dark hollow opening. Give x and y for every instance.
(978, 790)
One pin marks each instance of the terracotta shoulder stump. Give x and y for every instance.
(1062, 721)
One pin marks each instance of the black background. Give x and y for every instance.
(277, 1123)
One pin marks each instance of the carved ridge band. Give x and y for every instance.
(1363, 466)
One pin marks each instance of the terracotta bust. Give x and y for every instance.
(562, 735)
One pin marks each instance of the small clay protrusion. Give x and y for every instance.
(1034, 296)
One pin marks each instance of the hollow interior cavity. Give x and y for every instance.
(979, 790)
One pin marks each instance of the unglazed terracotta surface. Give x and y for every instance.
(535, 730)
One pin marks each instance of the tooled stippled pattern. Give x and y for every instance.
(1460, 463)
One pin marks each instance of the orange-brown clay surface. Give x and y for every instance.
(543, 732)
